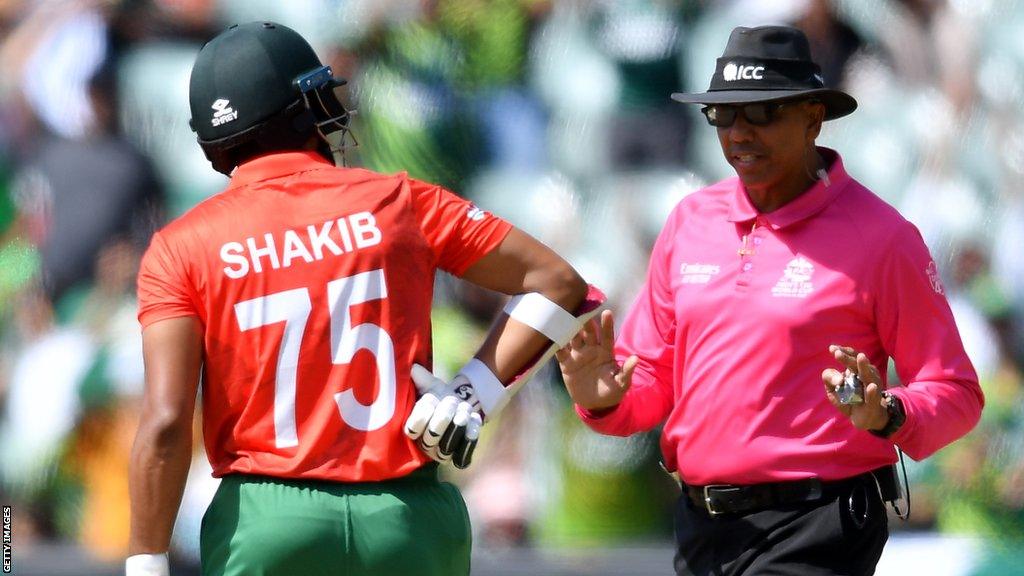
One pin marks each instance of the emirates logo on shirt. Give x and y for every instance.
(698, 273)
(796, 279)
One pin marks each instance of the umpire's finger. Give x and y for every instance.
(563, 354)
(607, 330)
(845, 349)
(576, 342)
(590, 333)
(832, 378)
(625, 377)
(844, 354)
(872, 394)
(867, 371)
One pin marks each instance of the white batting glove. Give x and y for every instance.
(147, 565)
(446, 420)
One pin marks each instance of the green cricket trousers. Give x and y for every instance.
(260, 526)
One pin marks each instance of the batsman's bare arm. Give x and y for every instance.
(173, 352)
(521, 264)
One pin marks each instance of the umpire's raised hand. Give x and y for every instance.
(594, 379)
(870, 414)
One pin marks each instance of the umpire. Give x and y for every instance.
(760, 289)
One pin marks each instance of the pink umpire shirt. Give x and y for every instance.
(733, 324)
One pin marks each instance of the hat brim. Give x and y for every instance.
(837, 103)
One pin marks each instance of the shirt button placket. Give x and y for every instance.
(748, 250)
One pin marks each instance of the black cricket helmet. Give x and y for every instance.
(260, 87)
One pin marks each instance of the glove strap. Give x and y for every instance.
(489, 391)
(147, 565)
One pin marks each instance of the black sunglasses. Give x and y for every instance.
(756, 113)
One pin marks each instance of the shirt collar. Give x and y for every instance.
(276, 165)
(812, 201)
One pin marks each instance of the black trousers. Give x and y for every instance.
(842, 534)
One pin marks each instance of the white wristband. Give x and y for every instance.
(544, 316)
(490, 392)
(147, 565)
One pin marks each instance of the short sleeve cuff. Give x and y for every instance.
(150, 317)
(481, 245)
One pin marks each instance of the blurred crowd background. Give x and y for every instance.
(554, 114)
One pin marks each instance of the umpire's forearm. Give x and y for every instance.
(159, 467)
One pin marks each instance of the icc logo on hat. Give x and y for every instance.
(769, 63)
(732, 72)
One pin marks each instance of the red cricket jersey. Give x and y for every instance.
(313, 285)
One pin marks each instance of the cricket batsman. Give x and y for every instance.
(297, 303)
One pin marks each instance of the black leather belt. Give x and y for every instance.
(718, 499)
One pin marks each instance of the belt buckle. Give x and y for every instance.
(707, 498)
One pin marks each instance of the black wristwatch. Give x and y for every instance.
(897, 415)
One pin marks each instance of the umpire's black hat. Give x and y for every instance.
(769, 63)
